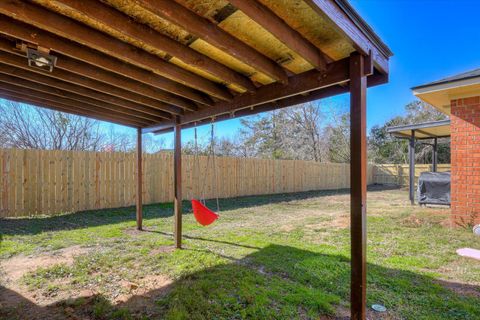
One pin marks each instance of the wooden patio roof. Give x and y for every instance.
(160, 65)
(150, 64)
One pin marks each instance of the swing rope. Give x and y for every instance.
(214, 165)
(203, 215)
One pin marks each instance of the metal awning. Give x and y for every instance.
(426, 130)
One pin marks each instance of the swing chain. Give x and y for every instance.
(211, 154)
(214, 165)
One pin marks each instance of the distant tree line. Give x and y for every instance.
(303, 132)
(311, 131)
(27, 127)
(384, 148)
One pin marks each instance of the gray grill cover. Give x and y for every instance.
(434, 188)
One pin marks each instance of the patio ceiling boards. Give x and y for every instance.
(142, 63)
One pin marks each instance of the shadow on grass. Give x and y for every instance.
(92, 218)
(275, 282)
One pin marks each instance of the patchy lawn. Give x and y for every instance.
(267, 257)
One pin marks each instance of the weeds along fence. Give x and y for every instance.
(34, 182)
(398, 174)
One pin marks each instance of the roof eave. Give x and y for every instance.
(363, 26)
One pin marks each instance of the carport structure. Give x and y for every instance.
(165, 65)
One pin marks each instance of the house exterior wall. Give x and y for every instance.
(465, 160)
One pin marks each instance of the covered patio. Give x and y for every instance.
(433, 130)
(161, 66)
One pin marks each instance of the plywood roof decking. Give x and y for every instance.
(145, 60)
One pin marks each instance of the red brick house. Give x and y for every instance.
(459, 96)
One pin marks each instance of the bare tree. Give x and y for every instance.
(338, 137)
(23, 126)
(308, 118)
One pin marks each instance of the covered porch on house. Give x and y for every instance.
(416, 133)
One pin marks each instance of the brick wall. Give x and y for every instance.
(465, 160)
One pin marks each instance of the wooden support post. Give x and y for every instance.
(139, 179)
(411, 175)
(435, 155)
(358, 186)
(177, 168)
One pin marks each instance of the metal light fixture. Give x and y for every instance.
(41, 59)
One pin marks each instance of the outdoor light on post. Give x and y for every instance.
(41, 59)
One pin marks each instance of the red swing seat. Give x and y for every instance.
(202, 214)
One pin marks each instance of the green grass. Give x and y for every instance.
(267, 257)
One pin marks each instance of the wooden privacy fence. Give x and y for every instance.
(34, 182)
(397, 174)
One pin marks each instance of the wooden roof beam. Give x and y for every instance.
(107, 15)
(43, 103)
(37, 36)
(48, 85)
(81, 83)
(336, 73)
(270, 106)
(322, 93)
(283, 32)
(75, 31)
(56, 97)
(209, 32)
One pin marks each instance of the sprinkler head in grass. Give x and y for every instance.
(476, 230)
(379, 308)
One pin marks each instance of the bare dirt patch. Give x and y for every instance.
(162, 249)
(13, 294)
(17, 301)
(141, 292)
(463, 289)
(139, 298)
(332, 219)
(14, 268)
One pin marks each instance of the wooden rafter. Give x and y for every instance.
(49, 85)
(34, 35)
(209, 32)
(282, 31)
(337, 72)
(78, 110)
(270, 106)
(116, 20)
(37, 91)
(132, 88)
(75, 31)
(322, 93)
(81, 84)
